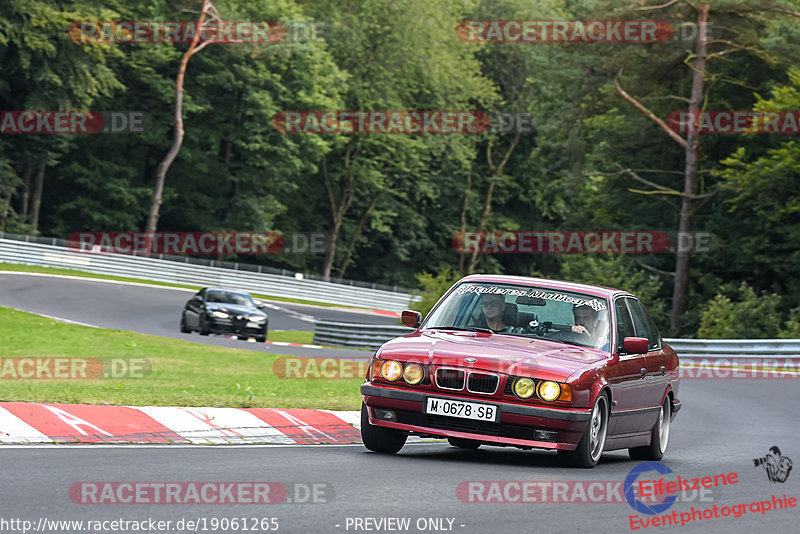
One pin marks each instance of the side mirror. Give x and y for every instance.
(259, 304)
(411, 318)
(636, 345)
(198, 298)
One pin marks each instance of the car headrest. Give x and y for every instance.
(510, 314)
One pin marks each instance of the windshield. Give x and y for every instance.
(534, 312)
(227, 297)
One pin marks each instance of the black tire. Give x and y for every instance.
(590, 448)
(462, 443)
(659, 437)
(185, 329)
(379, 439)
(202, 326)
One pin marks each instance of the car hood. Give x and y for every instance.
(234, 308)
(513, 355)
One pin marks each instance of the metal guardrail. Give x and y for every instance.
(735, 348)
(191, 271)
(368, 336)
(373, 336)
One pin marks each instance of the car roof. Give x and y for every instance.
(600, 291)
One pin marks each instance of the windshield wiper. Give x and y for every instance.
(464, 328)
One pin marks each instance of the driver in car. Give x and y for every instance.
(493, 307)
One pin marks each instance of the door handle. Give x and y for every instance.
(644, 371)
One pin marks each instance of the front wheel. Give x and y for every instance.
(590, 448)
(380, 439)
(203, 326)
(659, 437)
(185, 329)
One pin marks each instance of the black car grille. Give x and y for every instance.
(482, 383)
(450, 378)
(239, 322)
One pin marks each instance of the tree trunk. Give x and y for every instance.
(36, 201)
(177, 138)
(356, 234)
(680, 294)
(338, 210)
(6, 209)
(24, 202)
(487, 204)
(463, 219)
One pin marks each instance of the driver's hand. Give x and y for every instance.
(580, 329)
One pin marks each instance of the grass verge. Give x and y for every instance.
(183, 373)
(291, 336)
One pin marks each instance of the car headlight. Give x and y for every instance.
(220, 314)
(391, 370)
(413, 373)
(257, 318)
(524, 388)
(549, 391)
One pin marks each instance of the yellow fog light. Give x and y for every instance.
(549, 391)
(413, 373)
(524, 387)
(391, 370)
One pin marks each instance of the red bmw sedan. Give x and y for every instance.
(528, 363)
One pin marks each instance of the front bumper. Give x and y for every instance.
(237, 327)
(517, 426)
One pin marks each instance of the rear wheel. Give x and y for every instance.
(590, 448)
(659, 438)
(185, 329)
(462, 443)
(380, 439)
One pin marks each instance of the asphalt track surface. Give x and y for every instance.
(723, 426)
(155, 310)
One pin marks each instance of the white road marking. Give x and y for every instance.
(215, 425)
(12, 428)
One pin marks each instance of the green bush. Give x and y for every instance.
(433, 287)
(748, 315)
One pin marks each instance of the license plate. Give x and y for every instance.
(251, 324)
(462, 409)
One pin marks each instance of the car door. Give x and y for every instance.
(628, 383)
(656, 378)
